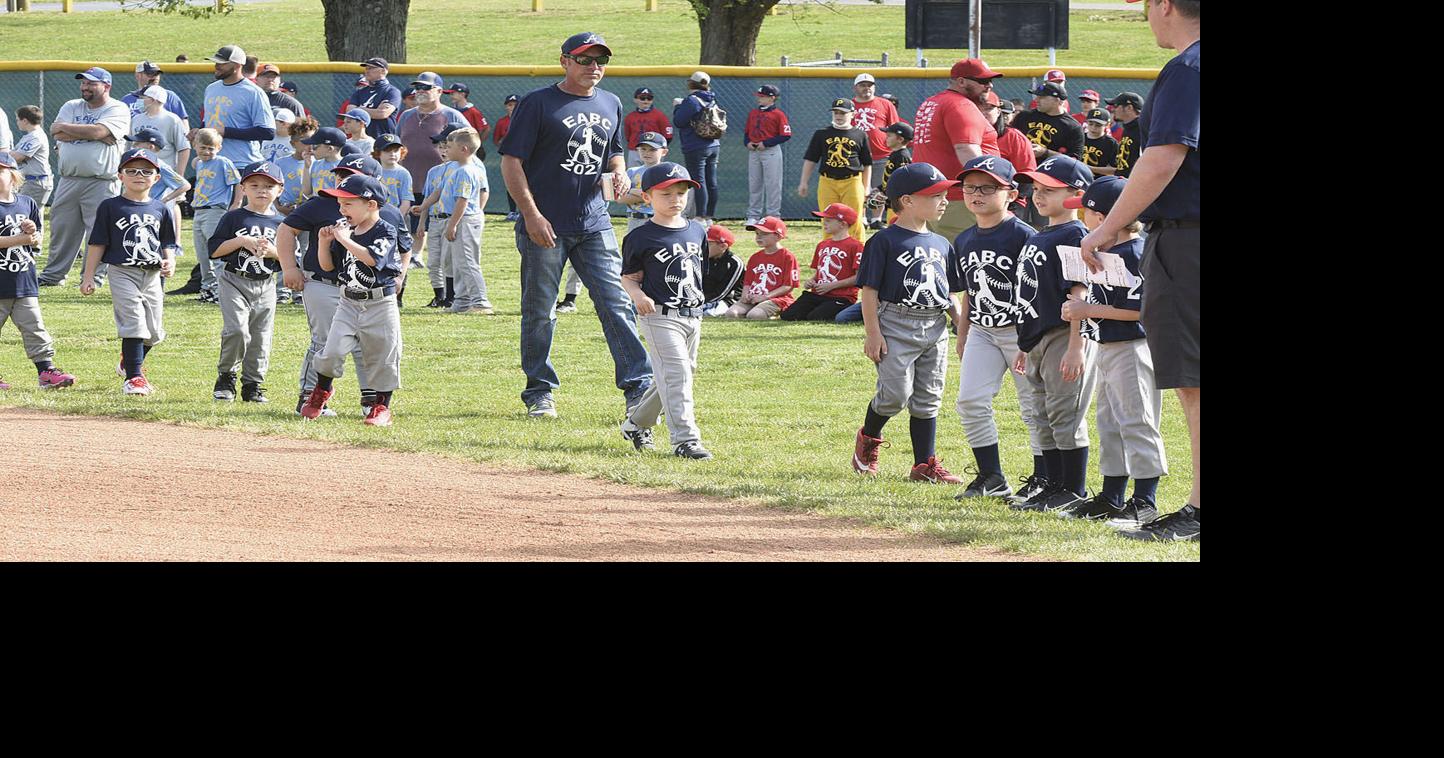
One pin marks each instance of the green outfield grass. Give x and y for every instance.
(507, 32)
(777, 402)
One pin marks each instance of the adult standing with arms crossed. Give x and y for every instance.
(379, 98)
(237, 109)
(949, 130)
(563, 141)
(417, 127)
(89, 134)
(1165, 192)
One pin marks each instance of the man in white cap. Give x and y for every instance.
(874, 115)
(147, 75)
(237, 109)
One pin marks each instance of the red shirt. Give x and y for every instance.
(503, 125)
(835, 261)
(1018, 149)
(768, 271)
(637, 122)
(948, 119)
(763, 125)
(872, 117)
(474, 117)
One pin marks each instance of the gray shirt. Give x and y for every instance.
(172, 128)
(92, 159)
(35, 144)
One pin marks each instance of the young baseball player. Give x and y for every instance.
(245, 241)
(641, 121)
(363, 251)
(293, 169)
(460, 94)
(326, 146)
(1052, 352)
(503, 125)
(32, 154)
(133, 233)
(1129, 402)
(899, 136)
(987, 338)
(216, 178)
(833, 284)
(171, 186)
(394, 177)
(463, 198)
(652, 147)
(770, 276)
(767, 129)
(908, 276)
(354, 125)
(21, 230)
(662, 270)
(1100, 150)
(431, 231)
(846, 160)
(279, 145)
(722, 279)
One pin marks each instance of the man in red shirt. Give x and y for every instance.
(642, 120)
(460, 94)
(874, 114)
(949, 130)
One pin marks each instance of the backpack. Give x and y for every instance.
(710, 122)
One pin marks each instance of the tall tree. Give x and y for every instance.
(729, 30)
(361, 29)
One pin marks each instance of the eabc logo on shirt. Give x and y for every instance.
(587, 145)
(20, 257)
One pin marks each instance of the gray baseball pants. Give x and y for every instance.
(138, 303)
(37, 191)
(437, 266)
(464, 257)
(26, 313)
(203, 225)
(913, 372)
(72, 214)
(987, 358)
(1130, 407)
(374, 327)
(1059, 407)
(248, 307)
(764, 182)
(321, 300)
(672, 343)
(574, 280)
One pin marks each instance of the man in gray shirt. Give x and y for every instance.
(89, 135)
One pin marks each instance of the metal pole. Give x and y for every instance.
(1052, 56)
(884, 60)
(975, 30)
(920, 58)
(784, 61)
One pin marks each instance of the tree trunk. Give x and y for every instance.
(361, 29)
(729, 30)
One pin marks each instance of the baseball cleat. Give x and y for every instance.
(50, 379)
(380, 415)
(1032, 485)
(136, 386)
(1133, 515)
(640, 438)
(1181, 526)
(933, 472)
(566, 307)
(315, 404)
(692, 451)
(986, 485)
(865, 453)
(1035, 503)
(1093, 509)
(1062, 499)
(225, 389)
(252, 392)
(543, 407)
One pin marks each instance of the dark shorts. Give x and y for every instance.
(1172, 305)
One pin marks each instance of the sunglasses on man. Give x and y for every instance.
(587, 60)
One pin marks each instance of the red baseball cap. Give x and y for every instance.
(838, 211)
(720, 233)
(993, 98)
(972, 68)
(1090, 94)
(772, 225)
(1055, 75)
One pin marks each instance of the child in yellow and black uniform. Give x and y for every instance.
(846, 164)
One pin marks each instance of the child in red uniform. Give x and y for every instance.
(770, 276)
(833, 286)
(503, 125)
(642, 120)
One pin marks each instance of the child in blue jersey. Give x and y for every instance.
(663, 262)
(133, 233)
(1051, 350)
(907, 276)
(21, 229)
(354, 125)
(293, 170)
(651, 148)
(397, 180)
(431, 230)
(216, 178)
(326, 146)
(463, 197)
(1129, 403)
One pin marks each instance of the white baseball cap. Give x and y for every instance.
(863, 78)
(155, 92)
(284, 115)
(229, 54)
(700, 77)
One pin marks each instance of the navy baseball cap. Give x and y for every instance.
(361, 164)
(428, 79)
(326, 135)
(652, 139)
(767, 90)
(445, 132)
(510, 99)
(1060, 171)
(901, 129)
(643, 91)
(95, 74)
(359, 115)
(407, 91)
(146, 67)
(586, 42)
(350, 148)
(288, 87)
(359, 186)
(1050, 89)
(7, 160)
(1127, 98)
(458, 87)
(1100, 195)
(843, 104)
(917, 179)
(264, 168)
(1001, 169)
(387, 140)
(665, 175)
(139, 154)
(148, 134)
(376, 63)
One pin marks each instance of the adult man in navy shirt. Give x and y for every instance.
(378, 98)
(1165, 192)
(563, 140)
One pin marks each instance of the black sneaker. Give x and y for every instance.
(1180, 526)
(1032, 485)
(435, 303)
(252, 392)
(1035, 503)
(1094, 509)
(985, 485)
(225, 388)
(641, 439)
(1063, 500)
(692, 450)
(1133, 515)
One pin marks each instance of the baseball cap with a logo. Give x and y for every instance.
(720, 233)
(146, 67)
(148, 134)
(843, 104)
(510, 99)
(767, 90)
(1090, 94)
(264, 168)
(838, 211)
(901, 129)
(1100, 195)
(771, 225)
(94, 74)
(643, 92)
(229, 54)
(326, 135)
(1000, 169)
(917, 179)
(387, 141)
(665, 175)
(652, 139)
(586, 42)
(1098, 115)
(288, 87)
(139, 154)
(860, 78)
(458, 87)
(1055, 75)
(972, 68)
(359, 186)
(269, 68)
(1060, 171)
(428, 79)
(1049, 89)
(361, 164)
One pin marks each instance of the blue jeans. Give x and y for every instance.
(849, 314)
(702, 165)
(597, 259)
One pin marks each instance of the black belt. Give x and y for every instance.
(684, 312)
(1167, 223)
(249, 275)
(642, 216)
(441, 215)
(373, 294)
(208, 207)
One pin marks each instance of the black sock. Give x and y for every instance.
(872, 427)
(440, 293)
(42, 366)
(145, 349)
(323, 382)
(1053, 466)
(924, 432)
(1146, 490)
(450, 289)
(132, 355)
(383, 398)
(569, 299)
(988, 460)
(368, 397)
(1040, 466)
(1075, 470)
(1114, 488)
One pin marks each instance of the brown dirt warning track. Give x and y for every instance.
(67, 497)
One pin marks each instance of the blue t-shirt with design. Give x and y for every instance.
(323, 175)
(1123, 298)
(243, 222)
(989, 260)
(635, 174)
(324, 210)
(435, 177)
(169, 181)
(564, 143)
(467, 181)
(916, 270)
(397, 182)
(134, 233)
(1042, 290)
(1172, 118)
(17, 262)
(215, 181)
(242, 105)
(291, 168)
(352, 274)
(672, 262)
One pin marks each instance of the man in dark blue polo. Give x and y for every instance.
(378, 98)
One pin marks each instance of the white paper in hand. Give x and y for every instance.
(1114, 274)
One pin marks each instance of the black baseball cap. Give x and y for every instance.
(665, 175)
(1001, 169)
(264, 168)
(1099, 115)
(652, 139)
(458, 87)
(1050, 89)
(586, 42)
(387, 140)
(445, 132)
(767, 90)
(1059, 171)
(326, 135)
(510, 99)
(289, 87)
(376, 63)
(901, 129)
(643, 91)
(843, 104)
(1127, 98)
(361, 164)
(1100, 195)
(918, 179)
(139, 154)
(359, 186)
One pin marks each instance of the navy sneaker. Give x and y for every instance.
(1181, 526)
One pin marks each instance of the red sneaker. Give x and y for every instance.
(864, 453)
(933, 471)
(54, 377)
(312, 408)
(3, 385)
(380, 415)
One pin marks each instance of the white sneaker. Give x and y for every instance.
(751, 222)
(136, 386)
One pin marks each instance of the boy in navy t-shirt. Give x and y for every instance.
(21, 227)
(245, 243)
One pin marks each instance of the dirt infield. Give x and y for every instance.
(69, 496)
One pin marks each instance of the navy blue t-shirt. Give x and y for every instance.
(17, 264)
(134, 233)
(243, 222)
(564, 142)
(324, 210)
(1042, 289)
(989, 261)
(352, 274)
(1172, 118)
(672, 262)
(913, 269)
(374, 96)
(1123, 298)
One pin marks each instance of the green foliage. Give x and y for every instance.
(179, 7)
